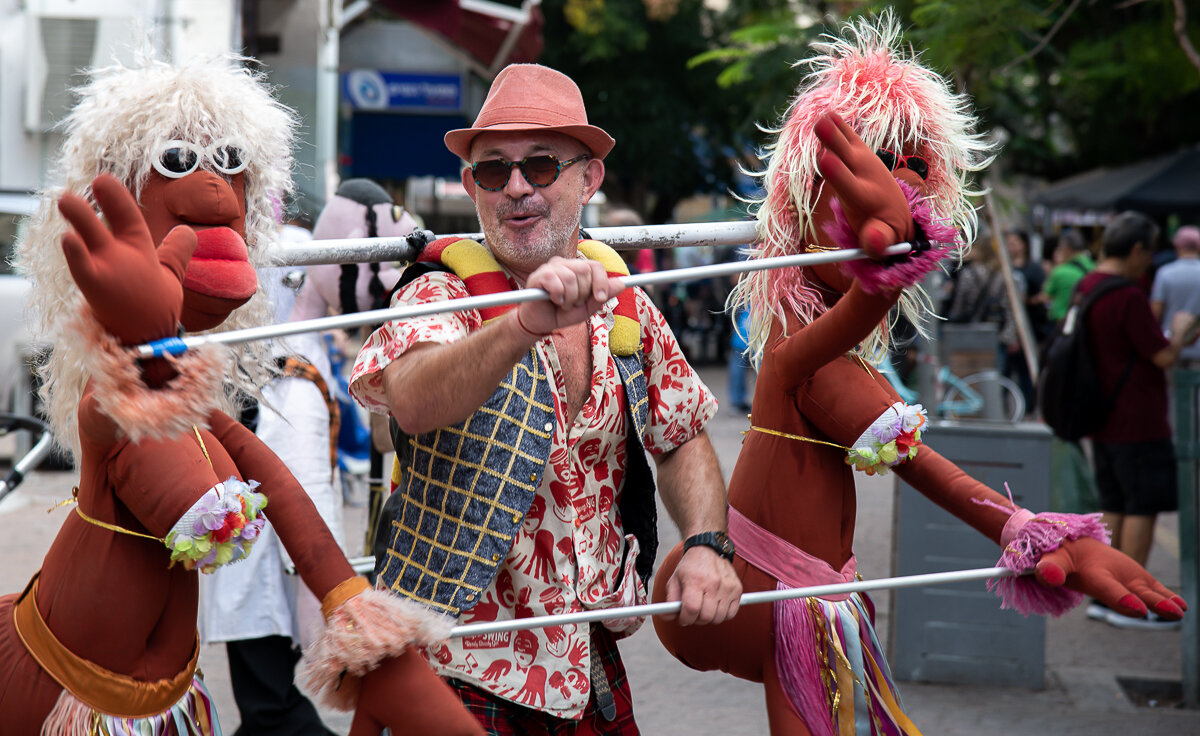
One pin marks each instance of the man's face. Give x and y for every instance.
(526, 225)
(1141, 258)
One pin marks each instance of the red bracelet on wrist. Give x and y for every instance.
(526, 329)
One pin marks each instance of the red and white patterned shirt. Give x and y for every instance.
(567, 556)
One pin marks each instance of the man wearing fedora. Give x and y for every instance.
(522, 485)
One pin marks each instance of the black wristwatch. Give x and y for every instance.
(718, 541)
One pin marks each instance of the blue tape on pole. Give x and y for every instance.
(168, 345)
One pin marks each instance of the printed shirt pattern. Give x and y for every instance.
(568, 554)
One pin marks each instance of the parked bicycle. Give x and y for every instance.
(967, 397)
(30, 461)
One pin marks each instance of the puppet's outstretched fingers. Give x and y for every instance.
(87, 225)
(870, 199)
(1093, 568)
(122, 211)
(176, 250)
(79, 260)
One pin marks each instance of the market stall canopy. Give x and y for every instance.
(490, 34)
(1165, 185)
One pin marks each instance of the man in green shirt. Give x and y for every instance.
(1076, 261)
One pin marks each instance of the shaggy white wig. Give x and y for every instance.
(122, 120)
(892, 101)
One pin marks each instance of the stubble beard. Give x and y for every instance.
(533, 248)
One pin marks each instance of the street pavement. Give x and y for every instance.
(1083, 658)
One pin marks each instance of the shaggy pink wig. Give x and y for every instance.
(892, 102)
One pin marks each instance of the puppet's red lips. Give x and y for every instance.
(220, 266)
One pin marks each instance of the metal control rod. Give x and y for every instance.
(366, 564)
(630, 237)
(177, 345)
(766, 596)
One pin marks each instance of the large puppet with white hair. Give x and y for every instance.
(874, 149)
(182, 162)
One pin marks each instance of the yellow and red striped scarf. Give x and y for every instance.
(478, 269)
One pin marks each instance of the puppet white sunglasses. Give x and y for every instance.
(177, 159)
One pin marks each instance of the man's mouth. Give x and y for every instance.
(220, 266)
(522, 219)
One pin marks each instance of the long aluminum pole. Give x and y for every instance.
(766, 596)
(177, 345)
(633, 237)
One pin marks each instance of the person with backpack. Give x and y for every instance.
(1133, 453)
(1076, 262)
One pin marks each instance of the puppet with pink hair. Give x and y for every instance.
(875, 149)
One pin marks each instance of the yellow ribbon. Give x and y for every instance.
(113, 527)
(787, 436)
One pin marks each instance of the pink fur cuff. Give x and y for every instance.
(935, 240)
(138, 410)
(360, 634)
(1026, 538)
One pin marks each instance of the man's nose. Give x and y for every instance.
(517, 185)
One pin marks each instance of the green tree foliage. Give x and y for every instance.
(1068, 84)
(674, 125)
(1072, 84)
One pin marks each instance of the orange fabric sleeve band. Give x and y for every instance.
(341, 593)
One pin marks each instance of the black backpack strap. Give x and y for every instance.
(1085, 305)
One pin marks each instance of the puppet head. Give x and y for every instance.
(203, 144)
(898, 107)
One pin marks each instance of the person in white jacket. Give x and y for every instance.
(263, 614)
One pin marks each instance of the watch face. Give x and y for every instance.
(719, 542)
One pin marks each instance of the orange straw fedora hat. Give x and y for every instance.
(532, 97)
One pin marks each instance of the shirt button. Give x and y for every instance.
(549, 426)
(578, 523)
(533, 476)
(496, 558)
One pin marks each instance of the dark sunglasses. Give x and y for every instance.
(916, 164)
(539, 171)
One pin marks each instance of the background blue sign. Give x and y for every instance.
(369, 89)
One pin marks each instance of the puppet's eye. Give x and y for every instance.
(177, 160)
(228, 159)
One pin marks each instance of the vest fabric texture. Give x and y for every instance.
(465, 489)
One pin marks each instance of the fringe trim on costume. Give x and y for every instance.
(1039, 534)
(364, 631)
(141, 412)
(194, 715)
(901, 271)
(832, 668)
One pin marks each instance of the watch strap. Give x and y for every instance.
(718, 542)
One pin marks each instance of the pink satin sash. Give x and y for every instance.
(783, 560)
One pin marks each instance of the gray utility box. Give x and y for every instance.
(957, 633)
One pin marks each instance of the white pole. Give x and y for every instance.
(177, 345)
(766, 596)
(631, 237)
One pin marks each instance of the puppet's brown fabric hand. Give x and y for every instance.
(1093, 568)
(134, 289)
(868, 193)
(404, 695)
